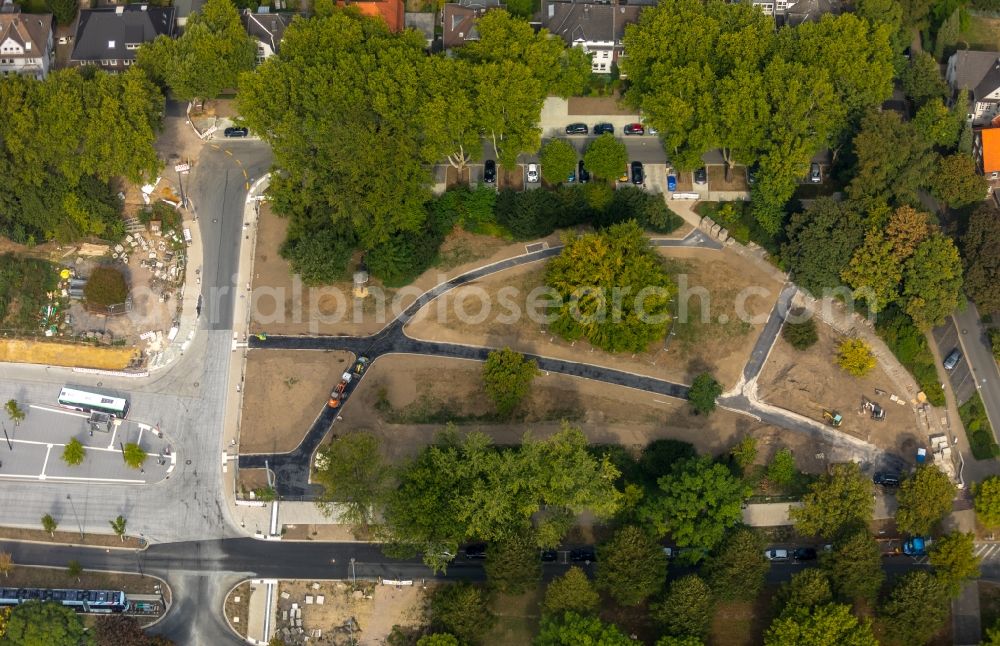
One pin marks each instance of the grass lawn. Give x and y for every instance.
(742, 623)
(978, 429)
(518, 617)
(982, 33)
(24, 287)
(33, 6)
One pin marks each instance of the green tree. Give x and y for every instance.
(916, 609)
(839, 500)
(461, 609)
(954, 560)
(134, 455)
(439, 639)
(801, 335)
(981, 255)
(40, 624)
(507, 377)
(450, 92)
(938, 125)
(208, 57)
(512, 565)
(893, 161)
(986, 496)
(781, 471)
(118, 526)
(573, 592)
(932, 281)
(354, 477)
(830, 623)
(906, 229)
(956, 181)
(889, 13)
(854, 566)
(572, 629)
(703, 393)
(806, 589)
(14, 412)
(558, 160)
(670, 640)
(606, 157)
(745, 452)
(737, 570)
(631, 567)
(63, 10)
(614, 289)
(874, 272)
(697, 502)
(924, 499)
(49, 524)
(821, 242)
(922, 79)
(74, 453)
(687, 609)
(855, 357)
(74, 570)
(105, 286)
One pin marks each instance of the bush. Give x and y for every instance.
(978, 429)
(910, 347)
(403, 257)
(703, 393)
(995, 342)
(800, 336)
(106, 286)
(321, 257)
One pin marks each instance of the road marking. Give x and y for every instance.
(247, 186)
(14, 476)
(61, 411)
(113, 435)
(48, 452)
(229, 152)
(245, 176)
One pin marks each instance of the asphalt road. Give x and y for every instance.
(976, 348)
(963, 384)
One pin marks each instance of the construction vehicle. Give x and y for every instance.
(360, 365)
(833, 418)
(878, 413)
(338, 391)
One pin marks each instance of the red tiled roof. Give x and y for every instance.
(391, 11)
(991, 149)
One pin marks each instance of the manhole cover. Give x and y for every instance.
(196, 384)
(100, 383)
(187, 461)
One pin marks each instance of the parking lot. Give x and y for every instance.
(963, 384)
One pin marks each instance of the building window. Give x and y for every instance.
(132, 45)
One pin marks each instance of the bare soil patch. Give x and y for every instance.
(512, 179)
(282, 305)
(368, 611)
(240, 609)
(407, 400)
(742, 623)
(64, 354)
(737, 178)
(68, 537)
(454, 178)
(720, 344)
(809, 382)
(283, 393)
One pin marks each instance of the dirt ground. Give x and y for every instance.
(63, 354)
(277, 309)
(720, 344)
(239, 608)
(807, 382)
(301, 380)
(453, 179)
(737, 178)
(406, 401)
(368, 613)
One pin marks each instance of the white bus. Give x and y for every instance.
(90, 402)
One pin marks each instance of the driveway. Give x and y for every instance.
(963, 384)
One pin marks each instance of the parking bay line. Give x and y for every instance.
(13, 476)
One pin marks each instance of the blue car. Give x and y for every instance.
(671, 182)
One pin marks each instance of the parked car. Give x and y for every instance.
(603, 128)
(815, 175)
(233, 131)
(701, 176)
(804, 554)
(671, 182)
(638, 177)
(549, 556)
(635, 129)
(476, 551)
(582, 173)
(952, 359)
(577, 129)
(776, 554)
(583, 554)
(751, 174)
(490, 171)
(886, 479)
(532, 173)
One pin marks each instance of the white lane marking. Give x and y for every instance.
(14, 476)
(61, 411)
(48, 452)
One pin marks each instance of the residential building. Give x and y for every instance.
(391, 11)
(979, 74)
(184, 9)
(109, 37)
(267, 29)
(25, 42)
(986, 151)
(458, 21)
(596, 28)
(795, 12)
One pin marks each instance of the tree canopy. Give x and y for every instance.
(703, 393)
(956, 181)
(737, 569)
(606, 157)
(986, 497)
(916, 609)
(631, 567)
(821, 242)
(507, 376)
(806, 589)
(572, 591)
(830, 623)
(558, 160)
(954, 560)
(354, 477)
(924, 499)
(687, 609)
(855, 357)
(512, 565)
(461, 609)
(854, 566)
(981, 254)
(571, 629)
(42, 624)
(837, 501)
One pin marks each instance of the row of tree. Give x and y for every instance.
(35, 624)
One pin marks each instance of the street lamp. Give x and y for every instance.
(73, 507)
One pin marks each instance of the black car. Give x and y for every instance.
(603, 128)
(804, 554)
(476, 551)
(233, 131)
(577, 129)
(886, 479)
(490, 171)
(583, 554)
(700, 176)
(549, 556)
(637, 175)
(751, 174)
(582, 174)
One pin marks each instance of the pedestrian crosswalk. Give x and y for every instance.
(987, 551)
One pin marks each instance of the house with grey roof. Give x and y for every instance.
(25, 42)
(267, 29)
(458, 20)
(596, 28)
(109, 37)
(796, 12)
(979, 74)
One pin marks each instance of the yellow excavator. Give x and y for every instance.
(832, 417)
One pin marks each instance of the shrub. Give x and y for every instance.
(800, 336)
(106, 286)
(703, 393)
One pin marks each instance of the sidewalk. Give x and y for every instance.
(187, 324)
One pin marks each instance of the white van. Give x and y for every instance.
(187, 236)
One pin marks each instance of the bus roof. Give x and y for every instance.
(91, 399)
